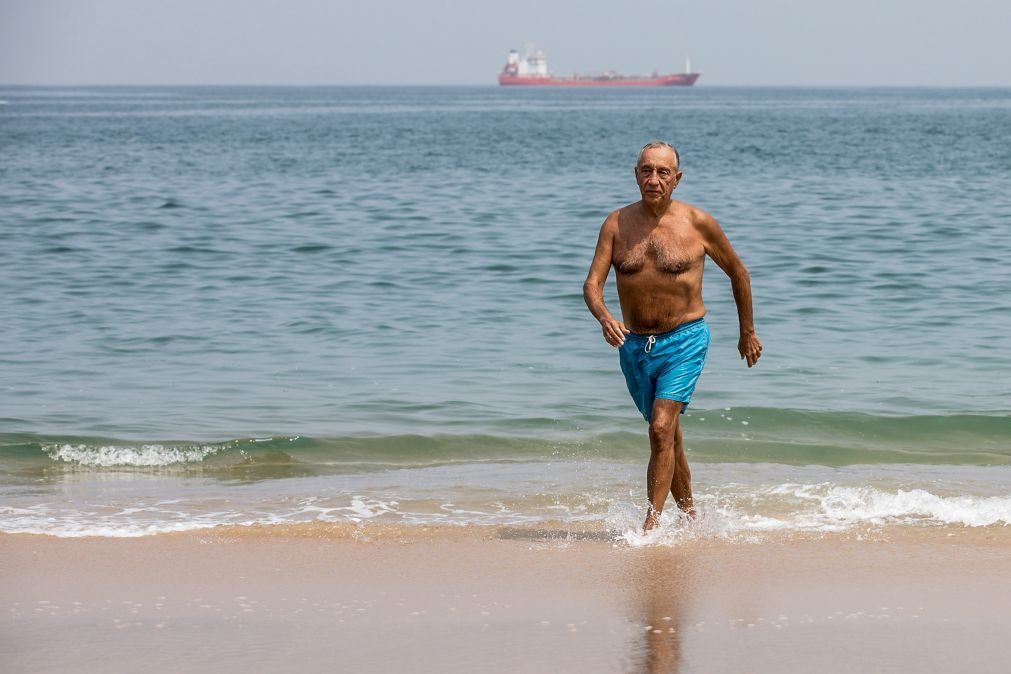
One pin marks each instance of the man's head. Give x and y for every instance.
(657, 172)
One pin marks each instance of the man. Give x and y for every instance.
(657, 247)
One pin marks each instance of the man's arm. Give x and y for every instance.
(723, 254)
(593, 288)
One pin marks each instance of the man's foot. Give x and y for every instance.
(652, 519)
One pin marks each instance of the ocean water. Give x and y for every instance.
(258, 305)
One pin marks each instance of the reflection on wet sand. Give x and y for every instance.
(551, 534)
(661, 575)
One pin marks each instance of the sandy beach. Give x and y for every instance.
(324, 598)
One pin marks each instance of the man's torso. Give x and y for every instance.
(658, 268)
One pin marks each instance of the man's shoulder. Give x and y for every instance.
(627, 210)
(683, 208)
(692, 214)
(623, 213)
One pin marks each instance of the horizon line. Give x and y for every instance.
(497, 86)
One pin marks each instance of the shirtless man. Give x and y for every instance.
(657, 247)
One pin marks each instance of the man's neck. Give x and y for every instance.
(654, 212)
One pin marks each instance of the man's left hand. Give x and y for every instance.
(750, 348)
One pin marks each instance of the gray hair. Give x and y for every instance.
(656, 144)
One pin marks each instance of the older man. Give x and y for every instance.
(657, 247)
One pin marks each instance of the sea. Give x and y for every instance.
(363, 306)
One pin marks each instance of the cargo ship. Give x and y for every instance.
(532, 70)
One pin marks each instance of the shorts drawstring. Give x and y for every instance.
(649, 343)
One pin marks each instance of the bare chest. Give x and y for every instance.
(667, 252)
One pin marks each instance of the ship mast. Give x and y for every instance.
(688, 64)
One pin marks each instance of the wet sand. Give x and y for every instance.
(376, 599)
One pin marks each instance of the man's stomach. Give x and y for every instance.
(650, 304)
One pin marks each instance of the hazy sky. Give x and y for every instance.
(731, 42)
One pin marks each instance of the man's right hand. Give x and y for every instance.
(614, 331)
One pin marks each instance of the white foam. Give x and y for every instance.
(126, 455)
(625, 521)
(69, 528)
(871, 505)
(746, 514)
(729, 510)
(830, 507)
(363, 508)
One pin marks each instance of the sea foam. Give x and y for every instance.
(139, 456)
(868, 504)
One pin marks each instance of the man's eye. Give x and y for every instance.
(664, 173)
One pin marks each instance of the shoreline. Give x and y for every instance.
(504, 599)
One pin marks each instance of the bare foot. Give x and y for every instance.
(652, 519)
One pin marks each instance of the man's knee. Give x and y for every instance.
(663, 425)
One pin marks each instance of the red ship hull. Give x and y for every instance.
(677, 80)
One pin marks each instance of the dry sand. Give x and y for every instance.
(335, 599)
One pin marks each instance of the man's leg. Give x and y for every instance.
(668, 467)
(681, 483)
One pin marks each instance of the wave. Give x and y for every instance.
(129, 455)
(810, 509)
(730, 435)
(836, 505)
(734, 515)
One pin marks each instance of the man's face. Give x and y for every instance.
(657, 174)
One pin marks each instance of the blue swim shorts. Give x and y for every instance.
(664, 365)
